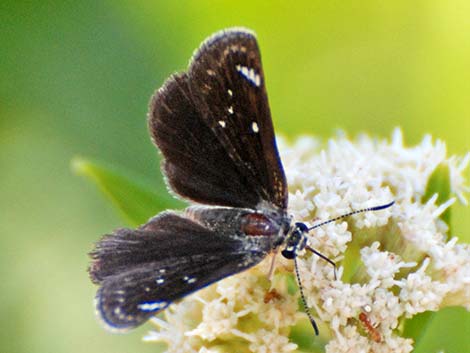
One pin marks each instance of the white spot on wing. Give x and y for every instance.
(250, 74)
(254, 127)
(160, 281)
(222, 123)
(152, 306)
(230, 110)
(230, 93)
(189, 279)
(257, 80)
(244, 71)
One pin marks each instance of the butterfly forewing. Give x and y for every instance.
(225, 95)
(142, 271)
(195, 163)
(227, 82)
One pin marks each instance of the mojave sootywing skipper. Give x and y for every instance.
(213, 126)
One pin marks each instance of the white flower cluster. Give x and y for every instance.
(229, 314)
(395, 263)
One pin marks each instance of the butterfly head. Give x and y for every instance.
(296, 240)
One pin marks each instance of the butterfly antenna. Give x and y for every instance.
(376, 208)
(307, 310)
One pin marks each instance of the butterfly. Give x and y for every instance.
(213, 127)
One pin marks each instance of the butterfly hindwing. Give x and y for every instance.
(140, 272)
(214, 128)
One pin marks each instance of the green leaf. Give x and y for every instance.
(303, 335)
(137, 199)
(439, 183)
(446, 330)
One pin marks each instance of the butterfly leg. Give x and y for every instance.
(271, 267)
(272, 294)
(331, 262)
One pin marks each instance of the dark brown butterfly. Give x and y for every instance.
(213, 126)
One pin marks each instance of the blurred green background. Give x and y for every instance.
(76, 78)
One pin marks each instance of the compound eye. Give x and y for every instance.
(301, 226)
(288, 254)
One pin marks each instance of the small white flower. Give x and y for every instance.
(400, 261)
(457, 181)
(382, 265)
(271, 342)
(419, 292)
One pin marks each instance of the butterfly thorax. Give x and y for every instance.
(267, 227)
